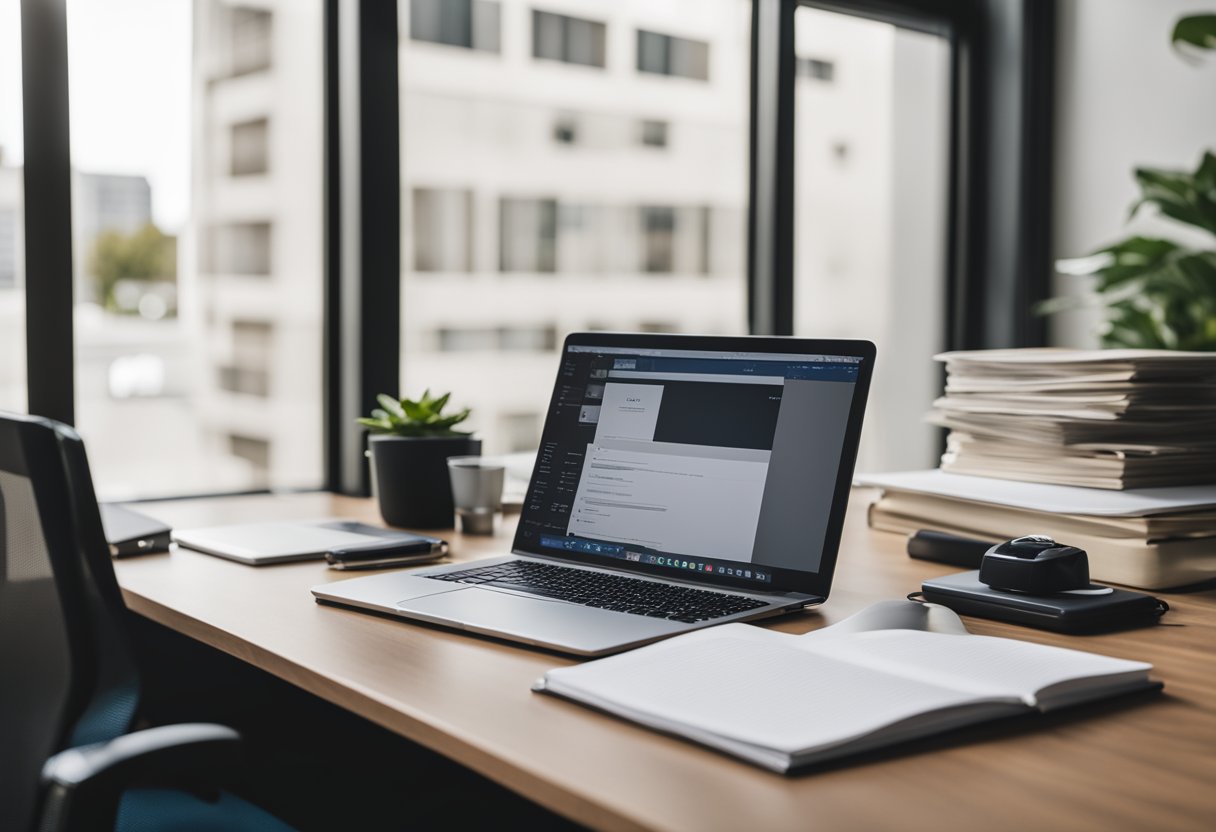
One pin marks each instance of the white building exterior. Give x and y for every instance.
(577, 164)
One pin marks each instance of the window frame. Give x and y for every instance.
(998, 224)
(998, 219)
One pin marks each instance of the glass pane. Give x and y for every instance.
(12, 213)
(872, 118)
(562, 181)
(197, 217)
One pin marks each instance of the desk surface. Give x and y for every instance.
(1141, 764)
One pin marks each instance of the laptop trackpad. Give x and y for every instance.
(534, 619)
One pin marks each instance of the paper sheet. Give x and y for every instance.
(1061, 499)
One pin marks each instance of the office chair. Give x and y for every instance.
(71, 689)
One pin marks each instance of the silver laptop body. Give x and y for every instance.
(716, 464)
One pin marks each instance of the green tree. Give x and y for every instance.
(147, 254)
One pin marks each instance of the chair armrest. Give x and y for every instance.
(83, 785)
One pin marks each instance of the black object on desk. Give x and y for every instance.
(948, 548)
(402, 549)
(1038, 582)
(131, 533)
(1117, 610)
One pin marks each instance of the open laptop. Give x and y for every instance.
(681, 482)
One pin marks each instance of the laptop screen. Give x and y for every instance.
(719, 462)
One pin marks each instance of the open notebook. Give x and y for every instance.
(894, 672)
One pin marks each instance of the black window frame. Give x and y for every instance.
(998, 222)
(998, 261)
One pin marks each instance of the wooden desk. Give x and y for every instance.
(1136, 765)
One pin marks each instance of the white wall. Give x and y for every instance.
(1124, 97)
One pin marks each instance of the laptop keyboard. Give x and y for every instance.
(609, 592)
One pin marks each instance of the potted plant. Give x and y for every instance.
(409, 447)
(1160, 293)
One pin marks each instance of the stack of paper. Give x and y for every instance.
(1152, 538)
(1110, 419)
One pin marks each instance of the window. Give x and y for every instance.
(241, 248)
(443, 229)
(870, 213)
(12, 213)
(249, 148)
(658, 239)
(675, 240)
(573, 40)
(497, 339)
(562, 240)
(668, 55)
(565, 129)
(189, 375)
(653, 133)
(815, 68)
(473, 24)
(528, 237)
(250, 33)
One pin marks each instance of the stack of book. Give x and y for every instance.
(1113, 419)
(1113, 451)
(1153, 538)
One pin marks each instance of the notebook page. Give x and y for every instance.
(760, 692)
(983, 665)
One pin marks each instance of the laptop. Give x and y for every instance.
(681, 482)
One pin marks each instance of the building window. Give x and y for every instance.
(472, 24)
(252, 343)
(250, 31)
(244, 380)
(653, 133)
(249, 148)
(669, 55)
(565, 130)
(528, 235)
(241, 248)
(815, 68)
(496, 339)
(675, 240)
(443, 230)
(658, 238)
(572, 40)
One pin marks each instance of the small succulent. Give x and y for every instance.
(408, 417)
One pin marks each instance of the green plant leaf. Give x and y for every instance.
(390, 405)
(414, 411)
(407, 417)
(1197, 30)
(1205, 176)
(378, 425)
(1187, 197)
(1178, 195)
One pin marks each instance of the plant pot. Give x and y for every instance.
(410, 478)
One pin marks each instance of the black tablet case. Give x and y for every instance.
(1118, 610)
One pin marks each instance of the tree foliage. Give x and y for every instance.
(147, 254)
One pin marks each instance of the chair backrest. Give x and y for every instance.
(68, 673)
